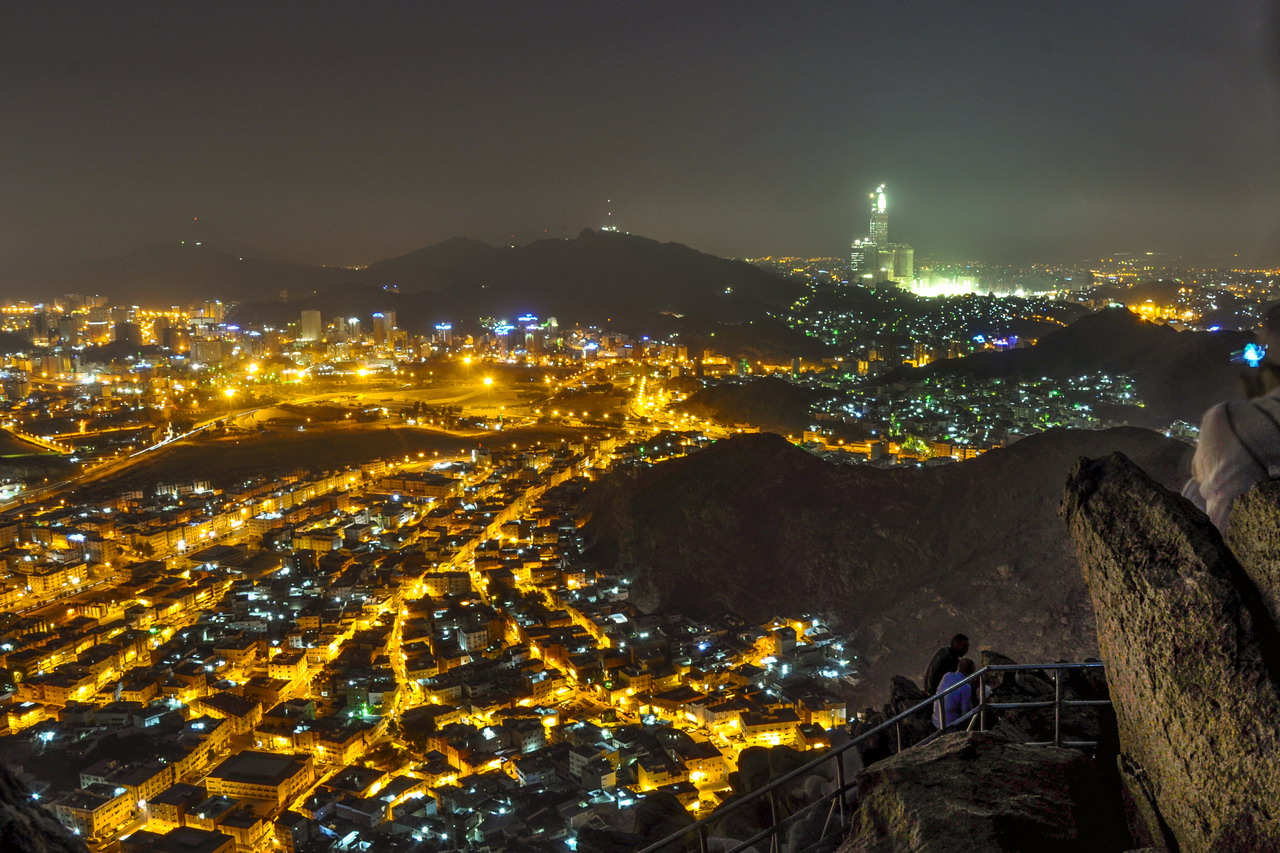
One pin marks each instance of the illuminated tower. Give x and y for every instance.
(873, 258)
(879, 218)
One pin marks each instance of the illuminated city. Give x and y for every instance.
(528, 428)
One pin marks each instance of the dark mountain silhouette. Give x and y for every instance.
(768, 403)
(597, 277)
(181, 273)
(902, 557)
(631, 283)
(758, 341)
(347, 300)
(441, 264)
(1177, 374)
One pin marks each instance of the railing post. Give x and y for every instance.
(982, 702)
(775, 830)
(840, 782)
(1057, 707)
(773, 821)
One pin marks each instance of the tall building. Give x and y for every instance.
(127, 333)
(309, 328)
(873, 258)
(384, 322)
(879, 217)
(864, 259)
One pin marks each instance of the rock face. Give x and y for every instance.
(26, 827)
(907, 557)
(1193, 660)
(974, 791)
(1254, 537)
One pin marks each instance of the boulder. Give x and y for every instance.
(873, 747)
(975, 791)
(904, 694)
(1077, 724)
(757, 767)
(1254, 536)
(658, 815)
(1192, 658)
(753, 770)
(26, 827)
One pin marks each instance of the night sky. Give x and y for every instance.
(346, 132)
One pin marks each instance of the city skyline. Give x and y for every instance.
(331, 138)
(573, 427)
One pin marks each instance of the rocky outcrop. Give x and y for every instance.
(26, 827)
(1254, 537)
(1090, 724)
(804, 830)
(906, 557)
(1193, 660)
(657, 815)
(975, 791)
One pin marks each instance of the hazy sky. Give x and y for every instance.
(346, 132)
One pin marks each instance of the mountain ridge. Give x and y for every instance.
(593, 276)
(902, 558)
(1177, 374)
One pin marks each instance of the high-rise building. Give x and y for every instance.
(879, 217)
(384, 323)
(309, 328)
(127, 333)
(864, 260)
(873, 258)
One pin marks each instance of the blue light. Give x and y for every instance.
(1254, 353)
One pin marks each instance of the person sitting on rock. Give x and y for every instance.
(1239, 442)
(945, 661)
(958, 702)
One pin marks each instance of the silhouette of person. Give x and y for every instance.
(946, 660)
(958, 702)
(1239, 442)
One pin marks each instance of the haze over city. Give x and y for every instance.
(565, 427)
(336, 134)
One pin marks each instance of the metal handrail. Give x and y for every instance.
(844, 785)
